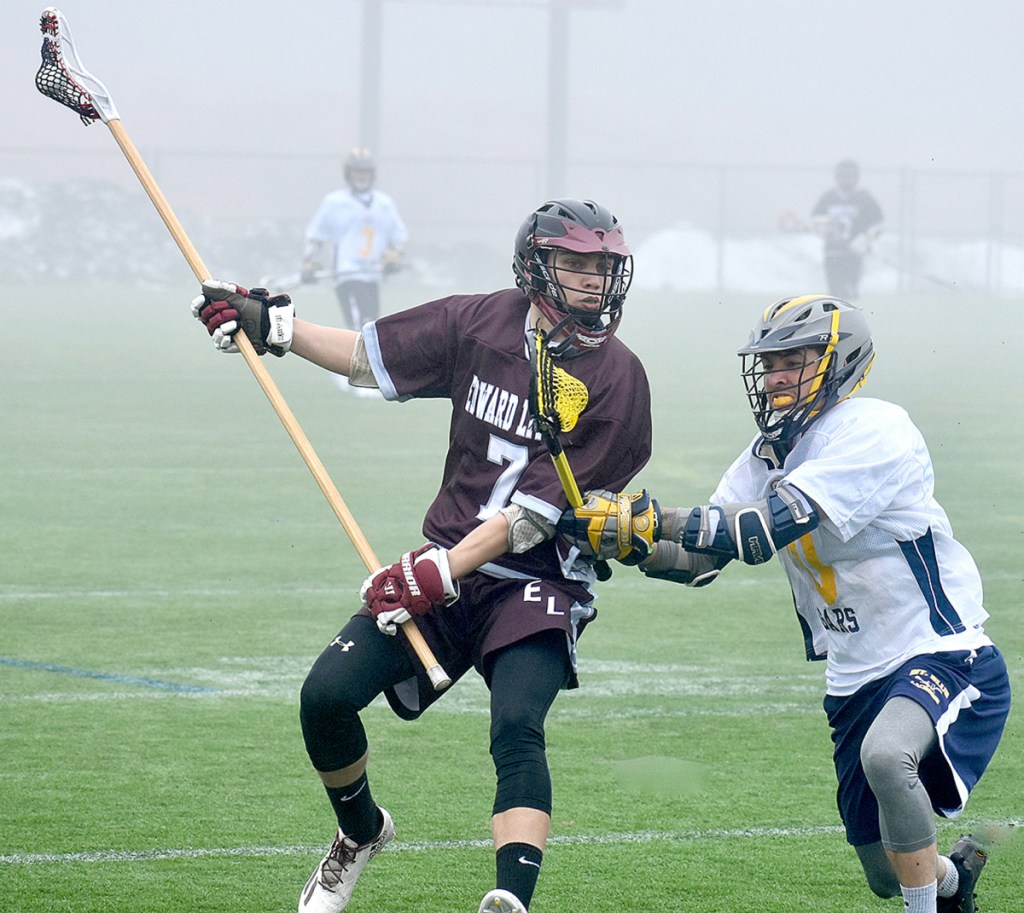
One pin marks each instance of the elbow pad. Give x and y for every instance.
(526, 528)
(751, 532)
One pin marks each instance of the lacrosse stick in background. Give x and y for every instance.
(557, 399)
(791, 223)
(63, 78)
(293, 280)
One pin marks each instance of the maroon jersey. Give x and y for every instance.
(471, 349)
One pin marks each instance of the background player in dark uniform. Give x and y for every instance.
(849, 219)
(498, 596)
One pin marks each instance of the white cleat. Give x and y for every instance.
(330, 887)
(499, 901)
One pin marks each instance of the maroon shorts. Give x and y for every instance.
(489, 614)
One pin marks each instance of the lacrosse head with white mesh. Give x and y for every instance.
(557, 399)
(62, 76)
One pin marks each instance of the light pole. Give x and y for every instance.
(369, 95)
(556, 162)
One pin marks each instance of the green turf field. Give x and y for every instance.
(170, 570)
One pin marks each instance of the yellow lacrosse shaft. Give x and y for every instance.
(572, 490)
(545, 401)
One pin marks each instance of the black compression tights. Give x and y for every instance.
(341, 683)
(525, 679)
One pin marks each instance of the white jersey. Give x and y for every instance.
(360, 227)
(881, 579)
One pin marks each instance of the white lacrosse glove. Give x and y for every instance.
(224, 308)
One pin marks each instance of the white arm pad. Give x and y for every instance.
(359, 372)
(526, 528)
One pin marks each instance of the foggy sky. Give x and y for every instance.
(893, 83)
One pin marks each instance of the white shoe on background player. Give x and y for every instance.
(499, 901)
(330, 886)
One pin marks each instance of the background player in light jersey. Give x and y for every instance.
(362, 235)
(497, 594)
(843, 489)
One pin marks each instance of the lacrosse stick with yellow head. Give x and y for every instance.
(556, 401)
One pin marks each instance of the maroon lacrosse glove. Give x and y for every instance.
(224, 308)
(418, 582)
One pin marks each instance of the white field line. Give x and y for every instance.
(279, 678)
(997, 830)
(420, 846)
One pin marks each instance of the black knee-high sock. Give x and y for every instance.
(358, 815)
(518, 867)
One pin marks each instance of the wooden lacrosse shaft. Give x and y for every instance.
(438, 677)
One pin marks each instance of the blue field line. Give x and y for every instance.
(156, 683)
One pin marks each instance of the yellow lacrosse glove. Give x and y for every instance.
(609, 525)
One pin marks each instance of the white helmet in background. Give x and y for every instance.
(360, 170)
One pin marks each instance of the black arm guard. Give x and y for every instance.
(751, 532)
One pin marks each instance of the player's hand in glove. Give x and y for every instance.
(309, 272)
(609, 525)
(414, 585)
(391, 261)
(224, 308)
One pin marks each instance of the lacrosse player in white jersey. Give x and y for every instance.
(843, 490)
(362, 233)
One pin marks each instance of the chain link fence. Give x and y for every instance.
(72, 212)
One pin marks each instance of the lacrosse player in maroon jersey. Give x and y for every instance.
(489, 589)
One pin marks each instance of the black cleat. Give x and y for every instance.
(969, 857)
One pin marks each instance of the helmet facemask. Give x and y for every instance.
(781, 412)
(360, 180)
(559, 252)
(833, 342)
(560, 277)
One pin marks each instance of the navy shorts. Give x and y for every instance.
(967, 696)
(489, 614)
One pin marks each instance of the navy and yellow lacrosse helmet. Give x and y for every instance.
(838, 338)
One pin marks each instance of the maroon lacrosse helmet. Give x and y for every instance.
(582, 226)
